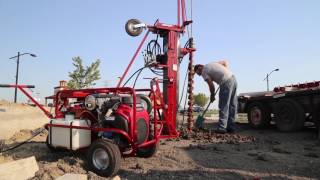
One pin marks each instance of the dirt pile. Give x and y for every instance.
(14, 117)
(209, 136)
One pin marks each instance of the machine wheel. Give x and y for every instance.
(148, 151)
(289, 115)
(133, 31)
(147, 104)
(104, 158)
(259, 115)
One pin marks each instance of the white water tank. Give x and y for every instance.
(65, 137)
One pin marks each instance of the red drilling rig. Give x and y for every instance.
(111, 123)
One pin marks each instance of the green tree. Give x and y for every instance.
(200, 99)
(83, 77)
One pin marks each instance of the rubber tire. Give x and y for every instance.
(131, 31)
(147, 100)
(148, 151)
(289, 115)
(316, 117)
(264, 113)
(114, 157)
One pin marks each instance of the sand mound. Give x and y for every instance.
(15, 117)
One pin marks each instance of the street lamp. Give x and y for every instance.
(17, 72)
(267, 77)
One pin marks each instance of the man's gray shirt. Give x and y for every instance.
(216, 72)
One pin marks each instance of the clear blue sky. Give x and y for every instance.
(255, 36)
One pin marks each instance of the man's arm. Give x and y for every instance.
(211, 88)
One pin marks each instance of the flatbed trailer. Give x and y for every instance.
(289, 106)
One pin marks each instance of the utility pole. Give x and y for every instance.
(17, 77)
(17, 72)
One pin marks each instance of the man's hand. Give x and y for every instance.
(212, 98)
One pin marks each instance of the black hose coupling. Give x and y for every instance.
(191, 43)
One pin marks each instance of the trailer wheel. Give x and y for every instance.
(104, 158)
(289, 115)
(316, 117)
(259, 115)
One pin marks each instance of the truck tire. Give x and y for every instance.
(289, 115)
(316, 117)
(259, 115)
(104, 158)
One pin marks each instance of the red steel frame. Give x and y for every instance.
(168, 105)
(172, 34)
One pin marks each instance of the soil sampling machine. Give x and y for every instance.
(110, 123)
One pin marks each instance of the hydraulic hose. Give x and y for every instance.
(35, 133)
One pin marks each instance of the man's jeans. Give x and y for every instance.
(228, 104)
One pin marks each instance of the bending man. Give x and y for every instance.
(220, 73)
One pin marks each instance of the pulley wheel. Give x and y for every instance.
(131, 30)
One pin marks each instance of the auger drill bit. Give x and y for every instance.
(190, 87)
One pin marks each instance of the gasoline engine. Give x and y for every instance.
(114, 111)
